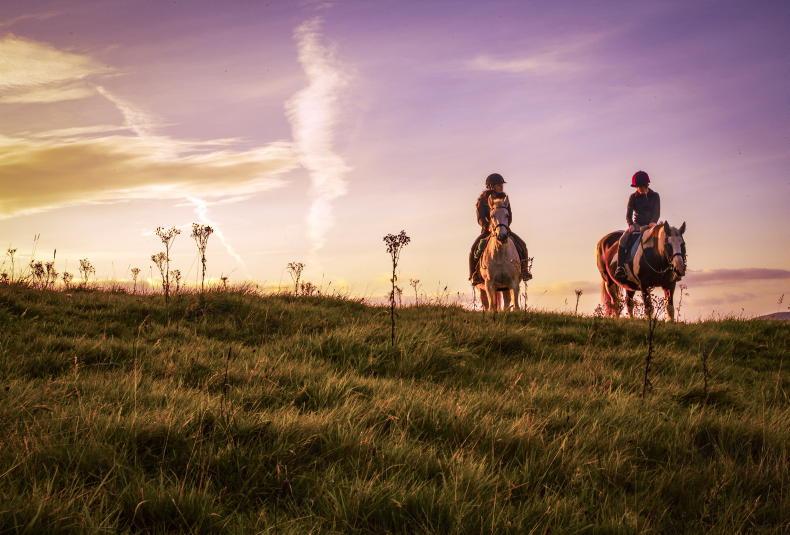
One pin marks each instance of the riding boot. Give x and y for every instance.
(620, 274)
(525, 274)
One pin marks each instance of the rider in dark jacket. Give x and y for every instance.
(644, 208)
(494, 184)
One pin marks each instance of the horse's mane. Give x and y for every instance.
(498, 199)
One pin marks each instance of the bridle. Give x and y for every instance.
(670, 265)
(494, 228)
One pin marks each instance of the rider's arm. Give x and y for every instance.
(656, 210)
(629, 212)
(482, 211)
(509, 213)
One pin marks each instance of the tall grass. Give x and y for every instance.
(295, 415)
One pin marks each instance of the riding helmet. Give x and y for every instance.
(640, 178)
(493, 179)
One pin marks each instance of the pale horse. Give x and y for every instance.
(500, 266)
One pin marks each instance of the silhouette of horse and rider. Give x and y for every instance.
(644, 256)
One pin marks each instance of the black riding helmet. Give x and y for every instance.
(493, 179)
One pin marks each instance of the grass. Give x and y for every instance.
(294, 415)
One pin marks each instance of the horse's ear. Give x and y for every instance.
(682, 228)
(667, 228)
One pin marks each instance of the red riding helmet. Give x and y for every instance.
(640, 178)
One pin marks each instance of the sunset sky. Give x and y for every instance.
(308, 130)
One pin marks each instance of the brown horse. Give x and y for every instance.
(500, 265)
(660, 262)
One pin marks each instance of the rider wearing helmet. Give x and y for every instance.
(644, 208)
(494, 185)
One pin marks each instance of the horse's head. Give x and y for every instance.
(674, 248)
(499, 225)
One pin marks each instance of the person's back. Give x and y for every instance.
(644, 208)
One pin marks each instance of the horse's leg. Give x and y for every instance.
(514, 291)
(669, 297)
(493, 300)
(647, 299)
(629, 302)
(505, 299)
(484, 298)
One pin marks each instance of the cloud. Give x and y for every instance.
(566, 288)
(721, 276)
(46, 94)
(313, 113)
(546, 63)
(29, 16)
(41, 174)
(134, 118)
(36, 72)
(729, 298)
(201, 211)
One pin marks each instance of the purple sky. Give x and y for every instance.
(308, 131)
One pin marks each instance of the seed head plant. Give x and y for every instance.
(578, 292)
(11, 252)
(160, 261)
(135, 273)
(4, 278)
(51, 275)
(38, 273)
(224, 280)
(167, 236)
(67, 278)
(295, 271)
(176, 276)
(201, 233)
(415, 283)
(308, 289)
(395, 244)
(86, 270)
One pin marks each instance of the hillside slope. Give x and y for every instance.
(292, 415)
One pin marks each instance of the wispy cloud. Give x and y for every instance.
(60, 172)
(134, 118)
(201, 211)
(9, 23)
(31, 71)
(313, 113)
(722, 276)
(546, 63)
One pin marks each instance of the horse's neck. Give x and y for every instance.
(656, 244)
(498, 249)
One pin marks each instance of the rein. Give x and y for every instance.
(669, 267)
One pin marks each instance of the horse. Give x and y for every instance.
(660, 262)
(500, 265)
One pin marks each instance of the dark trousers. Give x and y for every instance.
(474, 254)
(626, 240)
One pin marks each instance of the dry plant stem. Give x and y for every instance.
(295, 271)
(167, 236)
(395, 243)
(201, 233)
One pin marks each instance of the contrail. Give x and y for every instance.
(138, 121)
(201, 210)
(313, 116)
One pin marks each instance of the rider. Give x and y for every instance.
(644, 207)
(494, 184)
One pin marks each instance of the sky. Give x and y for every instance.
(306, 131)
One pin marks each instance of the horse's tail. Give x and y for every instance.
(609, 289)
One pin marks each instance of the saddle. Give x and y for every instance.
(638, 241)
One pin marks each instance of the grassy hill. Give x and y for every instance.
(292, 415)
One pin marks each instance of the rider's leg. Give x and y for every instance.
(622, 253)
(474, 255)
(521, 248)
